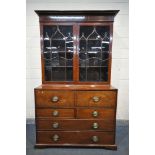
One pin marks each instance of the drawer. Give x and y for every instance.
(107, 114)
(97, 98)
(55, 113)
(74, 124)
(73, 137)
(46, 98)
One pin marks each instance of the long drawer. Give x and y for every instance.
(75, 137)
(75, 124)
(54, 113)
(46, 98)
(96, 98)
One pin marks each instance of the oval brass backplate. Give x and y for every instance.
(55, 125)
(95, 125)
(96, 99)
(55, 113)
(55, 99)
(95, 113)
(95, 139)
(55, 138)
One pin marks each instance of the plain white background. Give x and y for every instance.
(13, 82)
(120, 61)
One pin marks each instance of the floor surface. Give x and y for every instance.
(122, 141)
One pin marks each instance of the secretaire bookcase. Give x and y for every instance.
(75, 105)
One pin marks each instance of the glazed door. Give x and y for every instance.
(94, 49)
(76, 53)
(58, 52)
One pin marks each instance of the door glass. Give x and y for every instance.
(94, 53)
(58, 53)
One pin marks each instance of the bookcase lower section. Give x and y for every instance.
(75, 118)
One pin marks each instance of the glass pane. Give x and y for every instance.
(69, 73)
(58, 52)
(94, 53)
(82, 74)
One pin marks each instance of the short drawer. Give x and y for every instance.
(46, 98)
(74, 124)
(106, 114)
(97, 98)
(73, 137)
(55, 113)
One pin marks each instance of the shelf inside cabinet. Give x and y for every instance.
(92, 66)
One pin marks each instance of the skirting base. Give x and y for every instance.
(110, 147)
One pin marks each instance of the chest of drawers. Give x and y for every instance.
(75, 117)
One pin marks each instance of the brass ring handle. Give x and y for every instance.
(55, 99)
(55, 125)
(95, 139)
(95, 125)
(55, 138)
(95, 113)
(96, 99)
(55, 113)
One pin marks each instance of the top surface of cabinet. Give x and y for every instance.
(76, 46)
(77, 12)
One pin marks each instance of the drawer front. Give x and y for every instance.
(96, 98)
(106, 114)
(73, 124)
(55, 113)
(83, 137)
(54, 98)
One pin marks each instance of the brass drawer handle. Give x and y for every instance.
(55, 113)
(55, 99)
(96, 99)
(95, 125)
(55, 138)
(55, 125)
(95, 139)
(95, 113)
